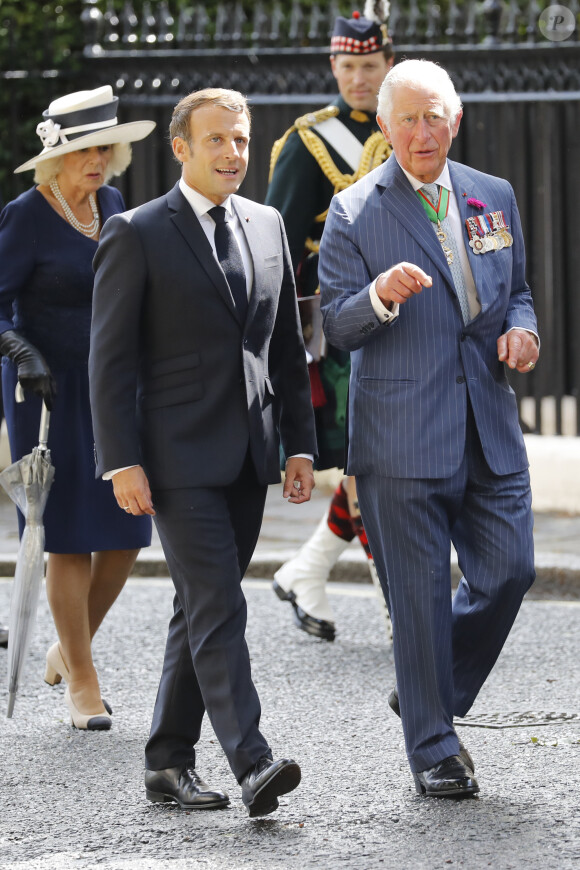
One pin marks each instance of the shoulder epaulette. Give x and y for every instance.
(301, 123)
(316, 117)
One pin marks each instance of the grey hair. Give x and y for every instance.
(48, 169)
(422, 74)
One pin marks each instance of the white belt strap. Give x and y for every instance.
(342, 140)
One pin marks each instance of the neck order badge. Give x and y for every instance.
(437, 215)
(429, 194)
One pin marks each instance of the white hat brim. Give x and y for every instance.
(130, 132)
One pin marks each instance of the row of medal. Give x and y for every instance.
(488, 232)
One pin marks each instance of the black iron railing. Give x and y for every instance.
(273, 25)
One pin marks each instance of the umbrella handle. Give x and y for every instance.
(44, 417)
(44, 424)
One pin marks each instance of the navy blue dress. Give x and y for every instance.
(46, 289)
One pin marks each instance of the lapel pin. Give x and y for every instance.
(247, 220)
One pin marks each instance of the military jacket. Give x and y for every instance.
(305, 173)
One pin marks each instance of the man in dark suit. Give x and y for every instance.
(422, 275)
(197, 370)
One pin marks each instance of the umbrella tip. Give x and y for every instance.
(11, 700)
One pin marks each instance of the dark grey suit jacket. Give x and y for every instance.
(178, 384)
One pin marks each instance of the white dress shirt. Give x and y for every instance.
(201, 205)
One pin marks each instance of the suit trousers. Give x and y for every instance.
(208, 537)
(444, 648)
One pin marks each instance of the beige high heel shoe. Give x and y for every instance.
(56, 670)
(84, 722)
(55, 666)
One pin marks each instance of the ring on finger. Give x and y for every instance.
(531, 365)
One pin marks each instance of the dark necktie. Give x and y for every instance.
(230, 259)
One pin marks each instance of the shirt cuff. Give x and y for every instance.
(302, 456)
(109, 474)
(383, 313)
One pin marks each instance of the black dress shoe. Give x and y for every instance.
(463, 752)
(448, 778)
(4, 636)
(266, 781)
(183, 786)
(316, 627)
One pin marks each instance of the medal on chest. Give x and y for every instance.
(488, 232)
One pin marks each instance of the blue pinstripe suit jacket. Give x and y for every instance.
(410, 380)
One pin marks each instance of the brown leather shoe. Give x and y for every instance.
(183, 786)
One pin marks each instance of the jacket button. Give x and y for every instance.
(460, 379)
(463, 336)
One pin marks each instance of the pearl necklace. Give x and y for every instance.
(86, 229)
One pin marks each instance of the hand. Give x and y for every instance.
(42, 385)
(34, 374)
(518, 348)
(132, 492)
(400, 283)
(299, 481)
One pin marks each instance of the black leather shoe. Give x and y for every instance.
(463, 752)
(316, 627)
(266, 781)
(4, 636)
(183, 786)
(448, 778)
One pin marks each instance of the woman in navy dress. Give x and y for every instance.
(48, 238)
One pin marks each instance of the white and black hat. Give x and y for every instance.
(82, 120)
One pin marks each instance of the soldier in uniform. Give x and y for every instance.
(322, 153)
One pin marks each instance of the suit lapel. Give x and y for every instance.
(190, 228)
(252, 233)
(401, 200)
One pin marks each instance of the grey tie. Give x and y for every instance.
(432, 192)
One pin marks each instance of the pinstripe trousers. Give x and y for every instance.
(444, 648)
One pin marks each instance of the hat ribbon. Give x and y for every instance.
(51, 133)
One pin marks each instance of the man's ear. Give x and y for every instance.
(455, 127)
(333, 65)
(384, 128)
(180, 149)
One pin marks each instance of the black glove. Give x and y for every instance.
(33, 372)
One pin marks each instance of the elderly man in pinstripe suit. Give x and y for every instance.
(422, 279)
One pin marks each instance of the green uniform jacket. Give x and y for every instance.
(301, 191)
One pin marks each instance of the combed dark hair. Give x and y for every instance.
(232, 100)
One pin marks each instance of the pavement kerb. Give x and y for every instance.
(557, 574)
(554, 467)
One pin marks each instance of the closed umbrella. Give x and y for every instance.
(27, 482)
